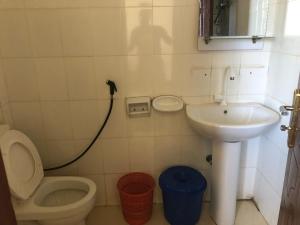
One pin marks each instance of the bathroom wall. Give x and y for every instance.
(57, 54)
(5, 114)
(283, 76)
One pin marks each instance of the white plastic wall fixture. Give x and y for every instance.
(138, 106)
(167, 103)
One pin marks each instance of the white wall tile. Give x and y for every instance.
(57, 120)
(175, 29)
(44, 25)
(28, 118)
(194, 152)
(157, 191)
(143, 3)
(168, 75)
(196, 100)
(141, 151)
(224, 59)
(191, 28)
(21, 79)
(255, 58)
(253, 81)
(163, 32)
(197, 82)
(167, 152)
(272, 164)
(116, 155)
(281, 67)
(197, 61)
(119, 3)
(52, 79)
(109, 38)
(275, 135)
(86, 118)
(92, 161)
(3, 89)
(249, 154)
(246, 183)
(40, 3)
(76, 32)
(112, 193)
(207, 175)
(175, 2)
(2, 119)
(11, 4)
(81, 78)
(267, 200)
(139, 30)
(7, 116)
(140, 126)
(167, 124)
(14, 36)
(59, 152)
(72, 3)
(139, 73)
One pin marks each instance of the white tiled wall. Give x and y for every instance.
(57, 54)
(284, 69)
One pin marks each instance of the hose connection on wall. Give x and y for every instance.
(112, 90)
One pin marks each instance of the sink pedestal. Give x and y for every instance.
(228, 125)
(225, 174)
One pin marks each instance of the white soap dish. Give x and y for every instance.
(167, 103)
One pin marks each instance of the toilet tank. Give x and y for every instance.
(3, 129)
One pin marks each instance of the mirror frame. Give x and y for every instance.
(206, 25)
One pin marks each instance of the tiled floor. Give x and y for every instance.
(247, 214)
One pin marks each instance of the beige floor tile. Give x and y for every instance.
(247, 214)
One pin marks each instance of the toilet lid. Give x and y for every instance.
(22, 163)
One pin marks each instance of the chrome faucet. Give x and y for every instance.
(228, 75)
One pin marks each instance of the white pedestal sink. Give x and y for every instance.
(228, 126)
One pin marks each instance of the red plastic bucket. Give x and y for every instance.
(136, 194)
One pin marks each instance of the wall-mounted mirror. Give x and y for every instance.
(233, 19)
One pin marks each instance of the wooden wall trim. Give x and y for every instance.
(7, 214)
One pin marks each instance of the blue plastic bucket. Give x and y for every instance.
(182, 188)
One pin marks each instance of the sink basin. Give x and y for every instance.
(233, 122)
(228, 126)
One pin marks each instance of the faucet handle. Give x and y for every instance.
(284, 110)
(285, 128)
(288, 108)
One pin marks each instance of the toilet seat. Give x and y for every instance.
(60, 200)
(33, 207)
(22, 163)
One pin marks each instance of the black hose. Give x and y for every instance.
(113, 89)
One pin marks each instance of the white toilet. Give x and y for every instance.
(47, 200)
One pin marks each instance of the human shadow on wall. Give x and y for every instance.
(148, 65)
(159, 34)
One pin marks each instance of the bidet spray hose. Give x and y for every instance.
(112, 89)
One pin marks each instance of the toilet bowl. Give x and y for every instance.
(47, 200)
